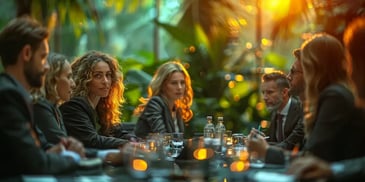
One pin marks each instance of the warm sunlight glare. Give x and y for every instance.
(278, 8)
(239, 78)
(260, 106)
(231, 84)
(139, 165)
(237, 166)
(203, 153)
(249, 45)
(264, 124)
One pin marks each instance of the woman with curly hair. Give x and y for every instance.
(168, 104)
(92, 115)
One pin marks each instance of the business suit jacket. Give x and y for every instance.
(81, 122)
(21, 152)
(338, 132)
(293, 128)
(49, 120)
(156, 118)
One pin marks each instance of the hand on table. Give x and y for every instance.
(114, 157)
(74, 145)
(256, 143)
(310, 168)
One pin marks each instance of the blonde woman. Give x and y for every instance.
(168, 104)
(57, 89)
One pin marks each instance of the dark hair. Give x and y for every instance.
(277, 76)
(18, 33)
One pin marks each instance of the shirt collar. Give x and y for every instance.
(285, 110)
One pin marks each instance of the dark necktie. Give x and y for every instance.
(279, 127)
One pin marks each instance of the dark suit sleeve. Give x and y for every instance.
(332, 118)
(295, 137)
(20, 154)
(79, 125)
(352, 170)
(275, 155)
(151, 119)
(44, 117)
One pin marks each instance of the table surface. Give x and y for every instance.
(179, 171)
(183, 169)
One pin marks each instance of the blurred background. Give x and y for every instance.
(226, 45)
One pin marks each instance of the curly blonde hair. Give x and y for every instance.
(324, 63)
(162, 74)
(108, 108)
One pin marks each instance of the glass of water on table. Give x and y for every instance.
(173, 144)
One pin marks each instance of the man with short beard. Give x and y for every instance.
(23, 51)
(286, 128)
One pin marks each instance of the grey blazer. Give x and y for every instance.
(156, 118)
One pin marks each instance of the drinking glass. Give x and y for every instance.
(173, 144)
(228, 138)
(238, 139)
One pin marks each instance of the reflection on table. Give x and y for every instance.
(197, 162)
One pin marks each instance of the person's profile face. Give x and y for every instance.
(36, 68)
(65, 83)
(296, 78)
(272, 95)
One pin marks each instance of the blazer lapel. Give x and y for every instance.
(293, 112)
(273, 127)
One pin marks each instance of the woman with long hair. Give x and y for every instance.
(167, 107)
(334, 127)
(57, 89)
(93, 113)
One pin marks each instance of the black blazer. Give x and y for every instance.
(80, 120)
(21, 152)
(338, 132)
(156, 118)
(49, 120)
(293, 128)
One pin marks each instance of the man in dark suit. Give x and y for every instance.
(286, 128)
(24, 50)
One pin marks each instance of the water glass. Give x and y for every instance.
(173, 144)
(228, 138)
(238, 139)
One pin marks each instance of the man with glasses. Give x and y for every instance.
(295, 77)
